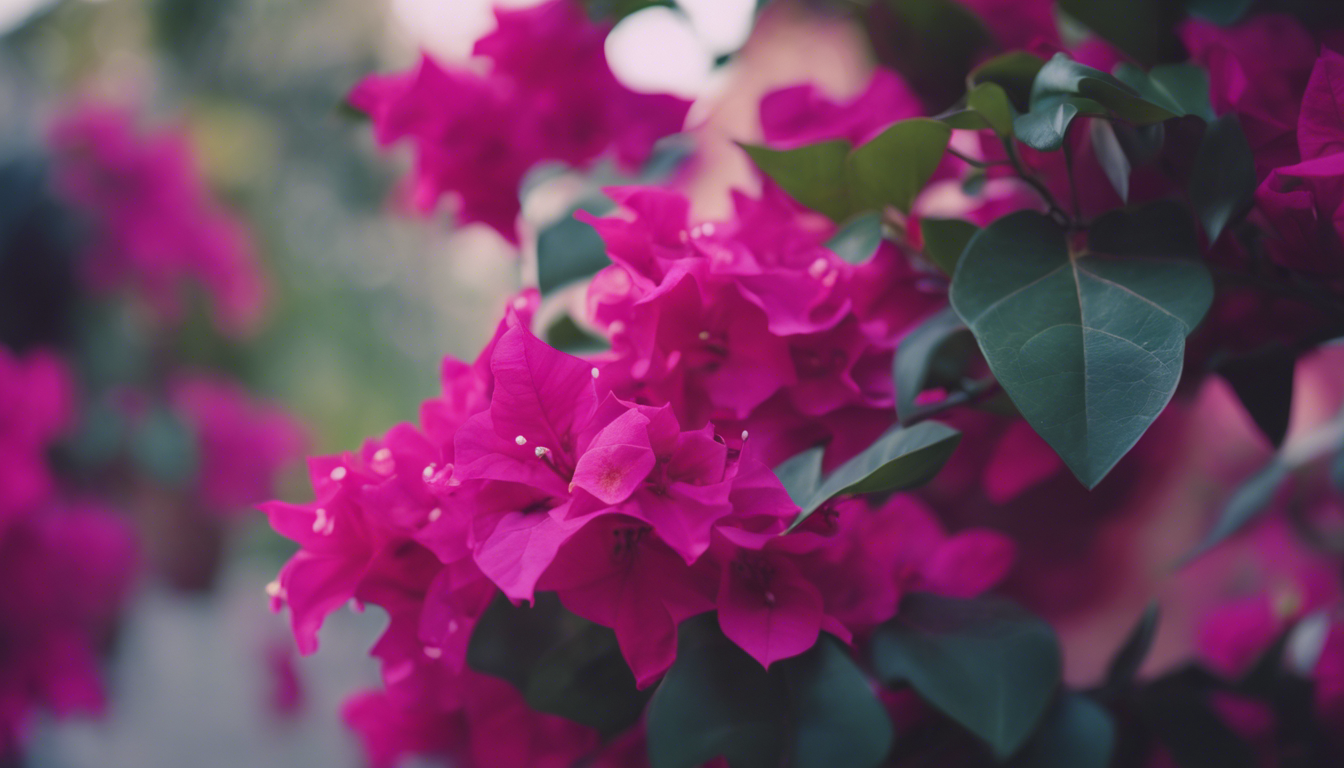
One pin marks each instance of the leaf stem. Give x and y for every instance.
(1056, 210)
(971, 161)
(969, 394)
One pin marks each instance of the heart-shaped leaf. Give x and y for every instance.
(986, 663)
(814, 175)
(1182, 89)
(900, 459)
(1088, 345)
(944, 241)
(1062, 76)
(838, 721)
(1014, 72)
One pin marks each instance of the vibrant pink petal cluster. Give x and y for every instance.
(156, 230)
(242, 442)
(65, 570)
(540, 471)
(546, 93)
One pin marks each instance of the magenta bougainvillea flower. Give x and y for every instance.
(546, 94)
(242, 442)
(36, 407)
(155, 229)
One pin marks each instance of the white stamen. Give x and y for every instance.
(274, 589)
(829, 279)
(707, 228)
(433, 653)
(818, 267)
(542, 451)
(452, 626)
(435, 514)
(744, 435)
(520, 302)
(704, 335)
(617, 327)
(596, 373)
(429, 472)
(520, 440)
(382, 454)
(320, 521)
(338, 474)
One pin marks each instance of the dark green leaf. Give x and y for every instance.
(1089, 346)
(1177, 710)
(615, 10)
(585, 679)
(986, 663)
(1142, 144)
(1247, 502)
(813, 175)
(945, 240)
(986, 106)
(566, 335)
(801, 475)
(974, 183)
(917, 357)
(1140, 28)
(567, 251)
(1062, 76)
(716, 700)
(837, 720)
(1076, 733)
(895, 165)
(1125, 665)
(1044, 127)
(932, 43)
(1222, 182)
(1221, 12)
(1337, 471)
(900, 459)
(1264, 383)
(858, 239)
(1013, 72)
(1182, 89)
(165, 448)
(1114, 161)
(510, 640)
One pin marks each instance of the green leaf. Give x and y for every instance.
(900, 459)
(569, 250)
(801, 475)
(1142, 144)
(838, 721)
(716, 700)
(813, 175)
(1126, 662)
(1062, 76)
(566, 335)
(1337, 471)
(1044, 127)
(918, 357)
(584, 678)
(932, 43)
(510, 640)
(1182, 89)
(1076, 733)
(1222, 181)
(1221, 12)
(1013, 72)
(1111, 155)
(985, 662)
(945, 240)
(1089, 346)
(986, 106)
(1263, 382)
(858, 239)
(1177, 710)
(892, 167)
(1141, 28)
(165, 448)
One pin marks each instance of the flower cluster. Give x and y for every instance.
(155, 229)
(66, 568)
(546, 94)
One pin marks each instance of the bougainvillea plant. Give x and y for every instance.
(114, 449)
(814, 484)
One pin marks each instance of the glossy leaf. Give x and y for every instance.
(1222, 181)
(900, 459)
(1044, 127)
(837, 720)
(716, 701)
(1076, 733)
(858, 239)
(1141, 28)
(986, 663)
(945, 240)
(1062, 76)
(1125, 664)
(813, 175)
(801, 475)
(917, 357)
(1182, 89)
(987, 106)
(1088, 345)
(894, 166)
